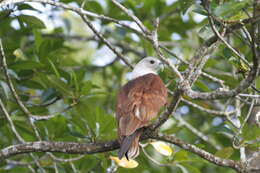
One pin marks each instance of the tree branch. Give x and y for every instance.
(99, 147)
(223, 94)
(204, 154)
(61, 147)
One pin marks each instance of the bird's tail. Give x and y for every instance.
(130, 146)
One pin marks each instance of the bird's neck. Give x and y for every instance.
(138, 72)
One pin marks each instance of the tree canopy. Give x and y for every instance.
(63, 63)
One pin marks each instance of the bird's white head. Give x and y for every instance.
(145, 66)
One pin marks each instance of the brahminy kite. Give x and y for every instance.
(139, 101)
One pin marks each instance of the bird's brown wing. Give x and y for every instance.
(138, 102)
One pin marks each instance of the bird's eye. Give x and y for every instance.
(152, 61)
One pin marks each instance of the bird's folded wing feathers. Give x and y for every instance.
(138, 102)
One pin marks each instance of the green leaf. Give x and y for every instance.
(227, 53)
(254, 147)
(32, 21)
(48, 95)
(31, 84)
(230, 8)
(93, 6)
(191, 168)
(81, 113)
(172, 130)
(26, 65)
(60, 126)
(222, 128)
(54, 69)
(257, 82)
(234, 61)
(49, 46)
(54, 128)
(250, 132)
(239, 64)
(106, 123)
(75, 131)
(24, 128)
(26, 7)
(60, 85)
(211, 63)
(200, 10)
(202, 86)
(205, 32)
(75, 81)
(86, 87)
(5, 13)
(180, 155)
(148, 47)
(185, 5)
(225, 152)
(37, 38)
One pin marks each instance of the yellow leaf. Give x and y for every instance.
(162, 148)
(19, 54)
(124, 162)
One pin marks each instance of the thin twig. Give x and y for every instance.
(224, 41)
(73, 167)
(131, 15)
(20, 163)
(215, 112)
(18, 136)
(13, 90)
(47, 117)
(105, 41)
(248, 114)
(8, 117)
(196, 132)
(249, 95)
(213, 78)
(235, 138)
(160, 54)
(65, 160)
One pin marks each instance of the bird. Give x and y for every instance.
(138, 102)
